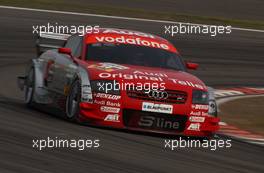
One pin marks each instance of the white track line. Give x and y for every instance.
(119, 17)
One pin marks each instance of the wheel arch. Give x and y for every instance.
(86, 90)
(40, 94)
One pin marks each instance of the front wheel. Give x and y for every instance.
(73, 101)
(212, 108)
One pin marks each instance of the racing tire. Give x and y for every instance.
(30, 88)
(73, 101)
(213, 108)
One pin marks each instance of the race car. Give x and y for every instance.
(122, 79)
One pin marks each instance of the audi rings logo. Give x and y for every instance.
(159, 95)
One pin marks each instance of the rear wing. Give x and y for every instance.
(50, 40)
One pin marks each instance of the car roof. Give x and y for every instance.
(126, 32)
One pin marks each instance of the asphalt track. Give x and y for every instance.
(244, 9)
(227, 60)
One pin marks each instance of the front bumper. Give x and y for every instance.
(129, 118)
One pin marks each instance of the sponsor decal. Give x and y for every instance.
(197, 119)
(109, 67)
(199, 113)
(150, 73)
(157, 77)
(200, 107)
(107, 96)
(126, 32)
(196, 113)
(136, 41)
(160, 108)
(129, 76)
(101, 102)
(194, 126)
(112, 117)
(151, 121)
(109, 109)
(106, 103)
(205, 114)
(187, 83)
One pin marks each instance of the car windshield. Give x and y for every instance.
(134, 55)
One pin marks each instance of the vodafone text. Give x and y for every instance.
(135, 41)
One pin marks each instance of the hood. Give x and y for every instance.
(141, 74)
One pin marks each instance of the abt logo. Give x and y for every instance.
(157, 122)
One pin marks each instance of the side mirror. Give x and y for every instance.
(191, 66)
(65, 50)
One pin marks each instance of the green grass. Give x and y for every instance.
(130, 12)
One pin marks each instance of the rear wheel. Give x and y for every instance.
(30, 88)
(73, 101)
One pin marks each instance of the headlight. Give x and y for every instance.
(105, 86)
(200, 97)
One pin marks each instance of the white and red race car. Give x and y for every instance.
(122, 79)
